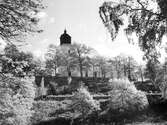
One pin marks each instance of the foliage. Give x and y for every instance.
(16, 62)
(72, 57)
(18, 17)
(53, 58)
(124, 66)
(125, 98)
(83, 102)
(57, 57)
(16, 100)
(44, 109)
(101, 63)
(152, 70)
(80, 54)
(146, 18)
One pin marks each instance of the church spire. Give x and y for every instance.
(65, 31)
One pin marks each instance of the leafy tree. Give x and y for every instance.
(146, 18)
(131, 67)
(11, 51)
(101, 63)
(83, 103)
(39, 69)
(18, 17)
(124, 66)
(16, 100)
(140, 72)
(16, 62)
(119, 67)
(54, 58)
(80, 52)
(152, 71)
(58, 57)
(125, 100)
(87, 66)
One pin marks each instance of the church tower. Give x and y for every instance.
(65, 39)
(65, 46)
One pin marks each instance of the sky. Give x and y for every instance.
(81, 20)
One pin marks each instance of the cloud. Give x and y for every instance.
(39, 54)
(52, 20)
(45, 41)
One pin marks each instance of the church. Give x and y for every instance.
(65, 45)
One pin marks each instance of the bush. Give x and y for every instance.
(125, 98)
(46, 109)
(16, 100)
(83, 102)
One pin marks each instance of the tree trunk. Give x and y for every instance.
(81, 73)
(101, 71)
(104, 75)
(142, 79)
(86, 73)
(68, 71)
(93, 71)
(124, 70)
(95, 74)
(55, 71)
(129, 70)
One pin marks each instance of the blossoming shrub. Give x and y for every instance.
(16, 100)
(83, 102)
(125, 98)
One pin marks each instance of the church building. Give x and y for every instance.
(65, 46)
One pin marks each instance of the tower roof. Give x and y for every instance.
(65, 38)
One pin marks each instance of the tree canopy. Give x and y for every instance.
(16, 62)
(18, 17)
(146, 18)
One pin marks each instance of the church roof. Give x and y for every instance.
(65, 35)
(65, 38)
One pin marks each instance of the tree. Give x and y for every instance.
(87, 66)
(39, 69)
(11, 51)
(16, 62)
(152, 71)
(124, 66)
(18, 17)
(119, 67)
(16, 100)
(101, 63)
(148, 19)
(80, 52)
(57, 57)
(83, 102)
(140, 72)
(125, 99)
(131, 67)
(54, 58)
